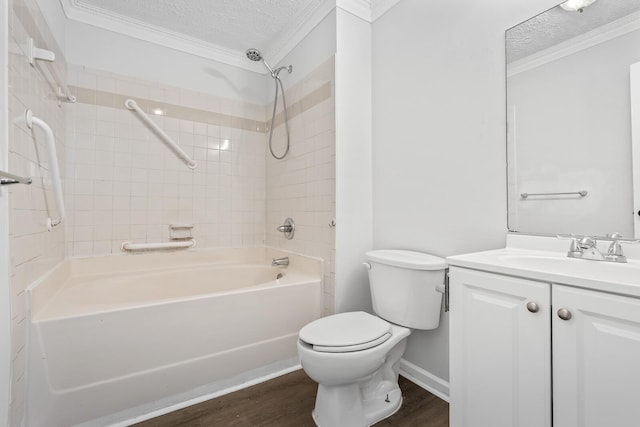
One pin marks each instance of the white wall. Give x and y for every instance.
(104, 50)
(302, 185)
(312, 51)
(34, 250)
(122, 183)
(56, 21)
(572, 132)
(439, 172)
(353, 161)
(5, 293)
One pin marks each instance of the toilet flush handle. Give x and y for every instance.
(366, 264)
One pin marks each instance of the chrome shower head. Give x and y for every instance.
(254, 55)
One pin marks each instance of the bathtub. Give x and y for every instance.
(116, 338)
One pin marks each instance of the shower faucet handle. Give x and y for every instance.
(288, 228)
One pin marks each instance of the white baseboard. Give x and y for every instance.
(433, 384)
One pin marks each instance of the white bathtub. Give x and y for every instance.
(114, 338)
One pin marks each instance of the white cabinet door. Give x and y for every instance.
(596, 359)
(500, 373)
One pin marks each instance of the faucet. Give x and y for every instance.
(585, 247)
(280, 262)
(588, 249)
(614, 253)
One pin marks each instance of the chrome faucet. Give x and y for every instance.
(280, 262)
(614, 253)
(588, 249)
(585, 247)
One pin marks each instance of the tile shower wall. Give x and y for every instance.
(124, 184)
(34, 250)
(302, 185)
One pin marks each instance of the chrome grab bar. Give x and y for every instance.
(580, 193)
(9, 178)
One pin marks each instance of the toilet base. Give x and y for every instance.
(345, 406)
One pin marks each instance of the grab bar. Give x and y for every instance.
(36, 54)
(179, 152)
(10, 178)
(134, 247)
(580, 193)
(53, 166)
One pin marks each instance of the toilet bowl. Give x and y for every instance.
(357, 387)
(354, 357)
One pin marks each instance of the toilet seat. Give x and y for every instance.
(346, 332)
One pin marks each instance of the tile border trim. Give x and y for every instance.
(115, 100)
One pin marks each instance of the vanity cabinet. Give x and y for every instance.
(505, 372)
(500, 351)
(596, 359)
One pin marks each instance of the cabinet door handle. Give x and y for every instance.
(533, 307)
(564, 314)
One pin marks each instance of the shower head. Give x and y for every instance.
(254, 55)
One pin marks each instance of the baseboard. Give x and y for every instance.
(433, 384)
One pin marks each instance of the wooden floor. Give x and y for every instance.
(288, 401)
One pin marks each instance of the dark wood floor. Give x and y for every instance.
(288, 401)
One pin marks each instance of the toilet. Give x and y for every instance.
(354, 357)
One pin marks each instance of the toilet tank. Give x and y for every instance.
(403, 287)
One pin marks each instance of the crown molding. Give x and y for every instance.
(576, 44)
(380, 7)
(359, 8)
(306, 21)
(101, 18)
(368, 10)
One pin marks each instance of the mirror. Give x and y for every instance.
(570, 81)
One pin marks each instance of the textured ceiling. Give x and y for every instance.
(221, 30)
(557, 25)
(231, 24)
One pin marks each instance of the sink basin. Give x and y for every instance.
(561, 265)
(556, 267)
(541, 262)
(545, 259)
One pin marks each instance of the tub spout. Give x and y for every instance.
(280, 262)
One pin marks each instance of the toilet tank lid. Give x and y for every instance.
(407, 259)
